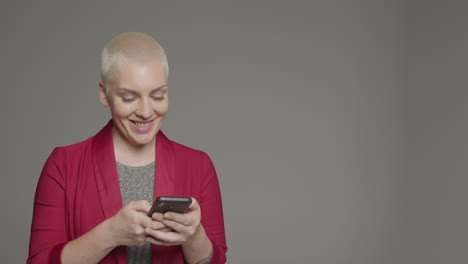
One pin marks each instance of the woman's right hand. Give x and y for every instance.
(127, 226)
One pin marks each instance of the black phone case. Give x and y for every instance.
(165, 204)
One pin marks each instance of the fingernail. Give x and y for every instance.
(157, 216)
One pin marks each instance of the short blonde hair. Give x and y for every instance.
(130, 47)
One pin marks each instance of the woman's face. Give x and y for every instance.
(138, 99)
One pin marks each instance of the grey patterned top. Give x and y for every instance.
(137, 183)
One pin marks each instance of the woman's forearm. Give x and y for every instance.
(198, 250)
(91, 247)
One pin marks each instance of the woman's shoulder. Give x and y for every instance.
(182, 150)
(64, 156)
(73, 149)
(195, 159)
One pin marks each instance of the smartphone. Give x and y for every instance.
(165, 204)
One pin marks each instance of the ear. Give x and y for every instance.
(103, 95)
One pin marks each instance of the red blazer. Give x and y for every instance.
(79, 188)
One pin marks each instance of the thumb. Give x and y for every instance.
(194, 205)
(140, 205)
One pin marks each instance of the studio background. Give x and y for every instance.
(337, 127)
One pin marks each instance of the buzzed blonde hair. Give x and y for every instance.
(130, 47)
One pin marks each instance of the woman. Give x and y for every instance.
(79, 215)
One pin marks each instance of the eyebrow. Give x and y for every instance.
(126, 90)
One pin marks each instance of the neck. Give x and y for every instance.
(133, 155)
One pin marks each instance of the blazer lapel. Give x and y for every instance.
(164, 185)
(105, 170)
(165, 180)
(107, 179)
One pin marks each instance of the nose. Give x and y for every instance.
(144, 110)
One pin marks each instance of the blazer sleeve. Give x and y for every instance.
(48, 228)
(212, 212)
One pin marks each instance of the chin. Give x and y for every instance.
(143, 140)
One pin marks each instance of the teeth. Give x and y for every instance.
(141, 124)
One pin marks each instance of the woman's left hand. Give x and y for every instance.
(185, 226)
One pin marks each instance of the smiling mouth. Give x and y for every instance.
(142, 124)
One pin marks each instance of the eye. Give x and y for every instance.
(158, 98)
(128, 99)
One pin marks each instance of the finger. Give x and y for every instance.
(157, 216)
(152, 240)
(185, 219)
(167, 237)
(166, 229)
(140, 205)
(194, 206)
(178, 227)
(145, 221)
(138, 230)
(156, 225)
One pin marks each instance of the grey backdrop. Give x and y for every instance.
(337, 127)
